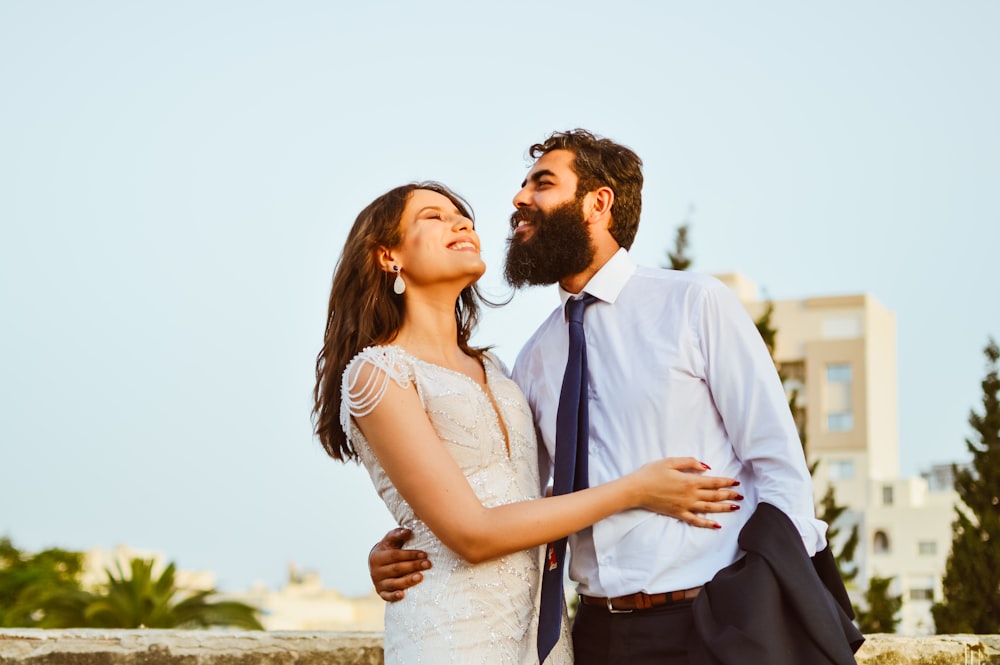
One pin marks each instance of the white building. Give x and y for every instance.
(303, 604)
(909, 527)
(97, 562)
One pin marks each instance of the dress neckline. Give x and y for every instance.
(485, 389)
(484, 365)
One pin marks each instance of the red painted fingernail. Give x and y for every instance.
(739, 497)
(706, 466)
(736, 484)
(716, 526)
(733, 506)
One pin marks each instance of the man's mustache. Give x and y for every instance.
(525, 215)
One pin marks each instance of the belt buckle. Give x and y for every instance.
(614, 611)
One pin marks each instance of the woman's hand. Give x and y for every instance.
(677, 487)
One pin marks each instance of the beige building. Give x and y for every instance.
(97, 562)
(838, 354)
(303, 604)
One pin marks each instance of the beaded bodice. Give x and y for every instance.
(460, 613)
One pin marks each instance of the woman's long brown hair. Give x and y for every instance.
(364, 311)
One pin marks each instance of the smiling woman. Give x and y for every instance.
(439, 244)
(364, 308)
(448, 439)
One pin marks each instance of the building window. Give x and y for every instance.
(840, 422)
(839, 416)
(880, 543)
(886, 495)
(921, 594)
(842, 327)
(841, 469)
(927, 548)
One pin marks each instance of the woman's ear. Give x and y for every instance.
(386, 259)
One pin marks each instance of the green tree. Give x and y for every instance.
(971, 583)
(765, 326)
(882, 608)
(769, 334)
(829, 510)
(679, 259)
(28, 582)
(139, 599)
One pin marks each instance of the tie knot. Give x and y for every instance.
(575, 307)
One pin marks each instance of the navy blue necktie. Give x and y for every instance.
(570, 474)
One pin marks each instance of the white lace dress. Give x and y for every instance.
(461, 613)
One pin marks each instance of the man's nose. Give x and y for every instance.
(521, 199)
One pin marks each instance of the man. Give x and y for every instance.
(675, 367)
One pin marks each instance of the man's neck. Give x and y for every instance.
(575, 283)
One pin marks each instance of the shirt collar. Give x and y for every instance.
(607, 282)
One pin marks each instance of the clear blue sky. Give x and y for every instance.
(177, 178)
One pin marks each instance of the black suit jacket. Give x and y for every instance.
(775, 606)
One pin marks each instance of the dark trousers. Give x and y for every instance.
(660, 635)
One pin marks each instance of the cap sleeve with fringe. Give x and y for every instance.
(366, 379)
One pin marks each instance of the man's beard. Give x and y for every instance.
(559, 246)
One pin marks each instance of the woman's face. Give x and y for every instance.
(440, 244)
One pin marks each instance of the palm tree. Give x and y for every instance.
(27, 581)
(141, 600)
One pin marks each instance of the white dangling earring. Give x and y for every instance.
(399, 285)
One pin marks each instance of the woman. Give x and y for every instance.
(447, 438)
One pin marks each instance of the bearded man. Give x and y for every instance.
(674, 367)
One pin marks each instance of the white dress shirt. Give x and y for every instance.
(676, 369)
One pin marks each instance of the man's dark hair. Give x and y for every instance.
(600, 162)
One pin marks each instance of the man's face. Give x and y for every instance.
(549, 240)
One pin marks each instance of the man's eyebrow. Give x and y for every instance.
(538, 175)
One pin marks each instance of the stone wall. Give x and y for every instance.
(181, 647)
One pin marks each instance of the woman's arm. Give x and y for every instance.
(410, 451)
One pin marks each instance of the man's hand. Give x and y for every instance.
(394, 569)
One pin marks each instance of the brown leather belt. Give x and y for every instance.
(640, 600)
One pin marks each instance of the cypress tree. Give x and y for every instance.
(971, 583)
(880, 617)
(829, 510)
(679, 259)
